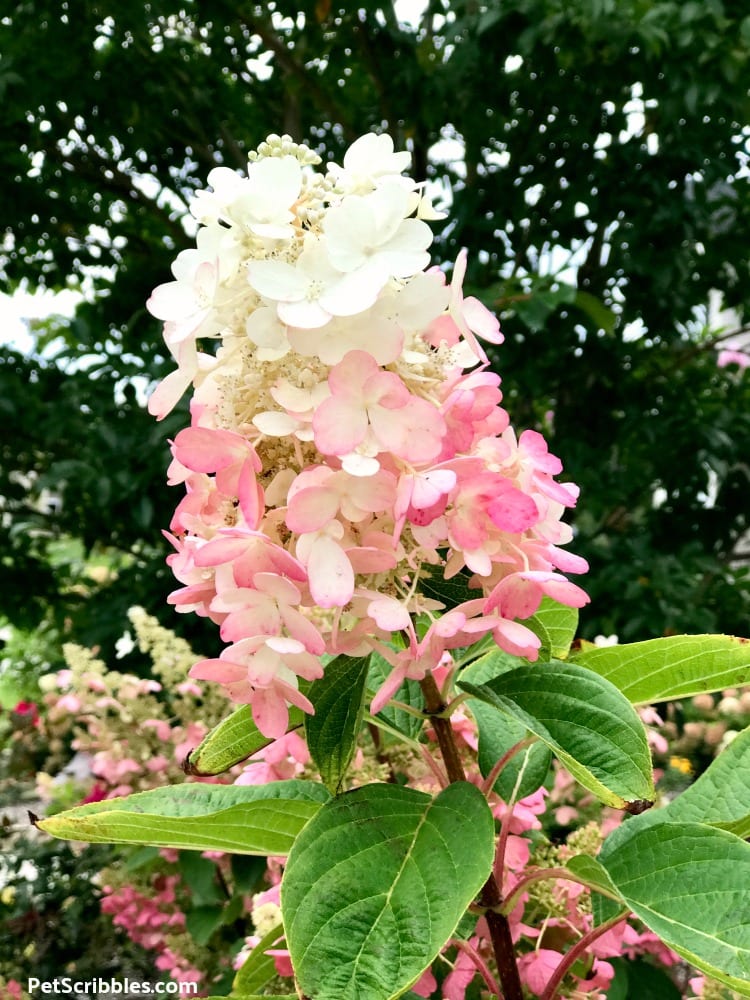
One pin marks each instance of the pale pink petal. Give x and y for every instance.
(330, 574)
(431, 486)
(413, 432)
(388, 688)
(517, 640)
(389, 614)
(339, 426)
(221, 671)
(168, 393)
(479, 319)
(204, 449)
(560, 589)
(516, 596)
(311, 509)
(303, 630)
(348, 377)
(270, 713)
(250, 496)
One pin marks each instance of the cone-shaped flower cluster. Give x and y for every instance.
(346, 437)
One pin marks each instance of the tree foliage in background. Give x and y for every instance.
(596, 152)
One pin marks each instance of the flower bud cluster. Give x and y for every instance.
(346, 435)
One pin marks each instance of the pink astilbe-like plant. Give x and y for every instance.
(346, 437)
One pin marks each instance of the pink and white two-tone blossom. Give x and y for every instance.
(371, 411)
(346, 437)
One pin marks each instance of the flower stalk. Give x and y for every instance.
(490, 898)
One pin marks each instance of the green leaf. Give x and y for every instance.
(640, 979)
(594, 874)
(721, 795)
(688, 883)
(258, 968)
(140, 858)
(595, 309)
(410, 693)
(543, 301)
(242, 819)
(202, 921)
(200, 875)
(377, 884)
(676, 666)
(556, 625)
(338, 697)
(234, 739)
(498, 733)
(585, 721)
(450, 592)
(247, 872)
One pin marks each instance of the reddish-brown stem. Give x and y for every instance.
(579, 948)
(490, 898)
(434, 767)
(502, 841)
(434, 706)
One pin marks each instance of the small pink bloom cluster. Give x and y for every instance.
(346, 436)
(149, 920)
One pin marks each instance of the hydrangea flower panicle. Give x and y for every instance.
(345, 434)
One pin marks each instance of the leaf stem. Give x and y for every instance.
(489, 782)
(479, 962)
(539, 875)
(490, 898)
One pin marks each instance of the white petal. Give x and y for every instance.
(360, 465)
(275, 424)
(275, 279)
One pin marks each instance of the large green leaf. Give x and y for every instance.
(585, 721)
(676, 666)
(498, 733)
(241, 819)
(555, 624)
(688, 882)
(233, 740)
(338, 697)
(721, 795)
(377, 884)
